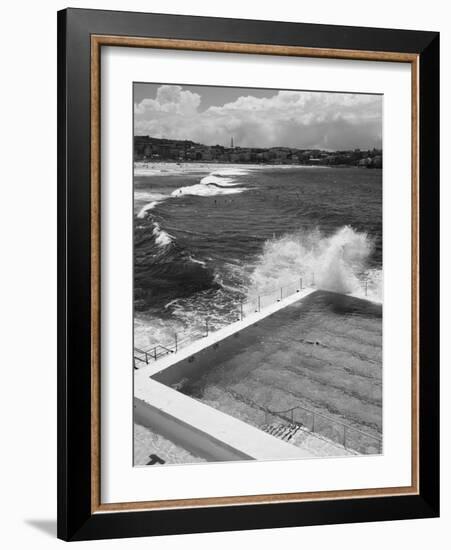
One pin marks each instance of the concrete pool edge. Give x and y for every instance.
(205, 431)
(215, 337)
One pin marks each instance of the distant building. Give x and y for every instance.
(162, 149)
(377, 161)
(363, 163)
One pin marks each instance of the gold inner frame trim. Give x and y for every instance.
(97, 41)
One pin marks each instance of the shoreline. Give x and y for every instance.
(142, 168)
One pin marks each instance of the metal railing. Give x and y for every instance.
(329, 428)
(246, 308)
(145, 356)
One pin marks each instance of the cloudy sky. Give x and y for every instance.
(258, 117)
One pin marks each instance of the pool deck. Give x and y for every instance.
(204, 431)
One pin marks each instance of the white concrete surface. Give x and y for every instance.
(203, 430)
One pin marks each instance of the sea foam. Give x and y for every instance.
(338, 262)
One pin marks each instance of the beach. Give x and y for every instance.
(143, 168)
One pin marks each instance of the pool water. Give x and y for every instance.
(323, 353)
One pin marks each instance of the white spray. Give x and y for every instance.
(338, 263)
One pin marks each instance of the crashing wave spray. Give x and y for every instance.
(338, 263)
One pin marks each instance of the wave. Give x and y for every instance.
(162, 237)
(233, 171)
(200, 262)
(154, 198)
(142, 213)
(185, 291)
(202, 190)
(338, 263)
(169, 169)
(216, 181)
(219, 182)
(149, 332)
(165, 268)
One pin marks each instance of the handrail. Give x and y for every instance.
(255, 301)
(346, 427)
(332, 420)
(164, 347)
(136, 352)
(297, 286)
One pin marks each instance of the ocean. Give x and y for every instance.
(208, 237)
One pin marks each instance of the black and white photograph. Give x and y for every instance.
(257, 274)
(225, 277)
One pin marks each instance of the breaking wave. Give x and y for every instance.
(165, 268)
(209, 190)
(142, 213)
(162, 238)
(155, 198)
(221, 182)
(338, 263)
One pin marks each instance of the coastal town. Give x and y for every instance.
(151, 149)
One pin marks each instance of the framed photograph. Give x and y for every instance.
(248, 274)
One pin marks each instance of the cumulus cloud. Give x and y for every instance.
(170, 99)
(288, 118)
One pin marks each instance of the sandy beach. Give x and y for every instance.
(173, 168)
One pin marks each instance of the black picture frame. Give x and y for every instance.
(76, 519)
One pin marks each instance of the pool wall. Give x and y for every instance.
(199, 362)
(193, 360)
(202, 430)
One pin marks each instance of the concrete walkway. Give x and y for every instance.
(202, 430)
